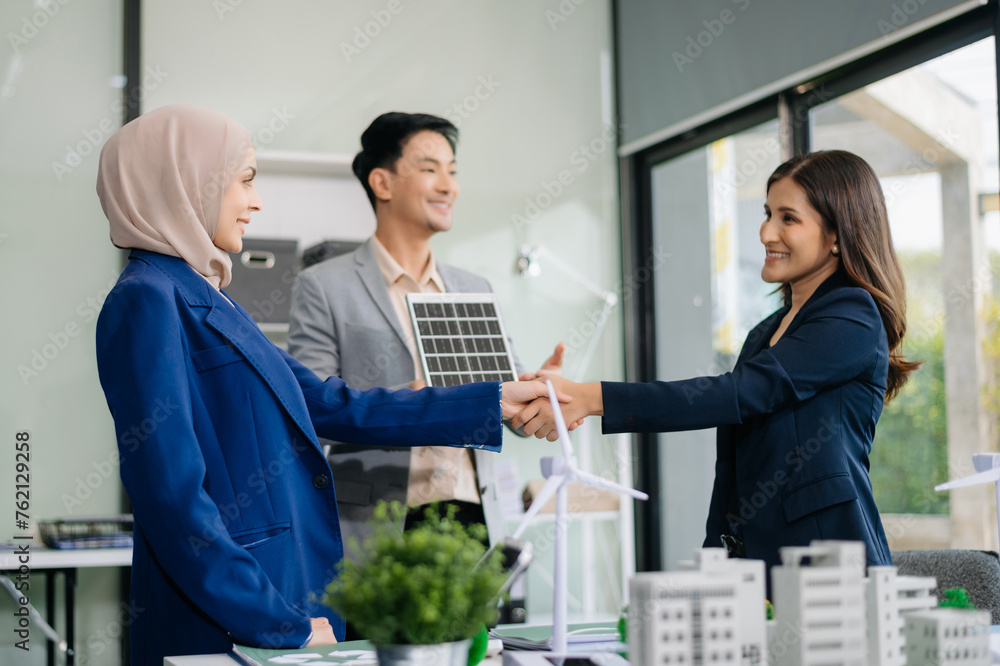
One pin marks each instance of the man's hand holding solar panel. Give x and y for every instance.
(551, 366)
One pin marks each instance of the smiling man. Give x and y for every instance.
(349, 318)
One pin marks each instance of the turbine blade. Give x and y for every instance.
(567, 446)
(989, 476)
(600, 482)
(544, 495)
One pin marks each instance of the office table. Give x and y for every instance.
(535, 632)
(226, 660)
(51, 563)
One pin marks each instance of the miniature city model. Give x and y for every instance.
(826, 612)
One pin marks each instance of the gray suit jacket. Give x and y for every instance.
(343, 323)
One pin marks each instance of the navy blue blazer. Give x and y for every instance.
(236, 526)
(795, 426)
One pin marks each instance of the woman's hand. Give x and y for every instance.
(322, 632)
(537, 418)
(515, 396)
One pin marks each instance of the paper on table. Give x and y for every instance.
(295, 658)
(341, 658)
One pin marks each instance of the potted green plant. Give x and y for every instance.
(421, 595)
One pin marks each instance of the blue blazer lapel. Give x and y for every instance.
(371, 277)
(238, 327)
(838, 279)
(760, 337)
(234, 324)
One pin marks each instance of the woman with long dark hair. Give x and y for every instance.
(796, 416)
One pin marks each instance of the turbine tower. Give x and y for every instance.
(558, 473)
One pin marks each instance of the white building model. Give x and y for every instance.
(710, 613)
(945, 636)
(890, 597)
(819, 594)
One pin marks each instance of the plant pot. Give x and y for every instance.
(442, 654)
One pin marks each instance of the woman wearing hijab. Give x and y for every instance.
(796, 416)
(236, 528)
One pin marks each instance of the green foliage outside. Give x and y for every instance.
(420, 587)
(910, 452)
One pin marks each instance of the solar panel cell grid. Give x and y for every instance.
(460, 338)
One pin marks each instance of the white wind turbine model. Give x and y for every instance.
(987, 471)
(559, 472)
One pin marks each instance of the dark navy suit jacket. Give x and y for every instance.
(236, 527)
(795, 426)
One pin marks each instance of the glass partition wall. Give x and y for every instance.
(924, 115)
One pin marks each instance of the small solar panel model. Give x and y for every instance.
(460, 338)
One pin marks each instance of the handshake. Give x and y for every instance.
(526, 403)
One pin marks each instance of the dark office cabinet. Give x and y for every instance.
(263, 274)
(328, 249)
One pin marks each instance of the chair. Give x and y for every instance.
(978, 571)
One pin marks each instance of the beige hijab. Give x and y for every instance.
(161, 182)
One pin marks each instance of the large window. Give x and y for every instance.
(923, 113)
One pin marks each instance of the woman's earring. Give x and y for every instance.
(836, 250)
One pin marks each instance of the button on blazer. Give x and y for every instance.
(236, 526)
(795, 426)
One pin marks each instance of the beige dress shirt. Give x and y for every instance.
(437, 473)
